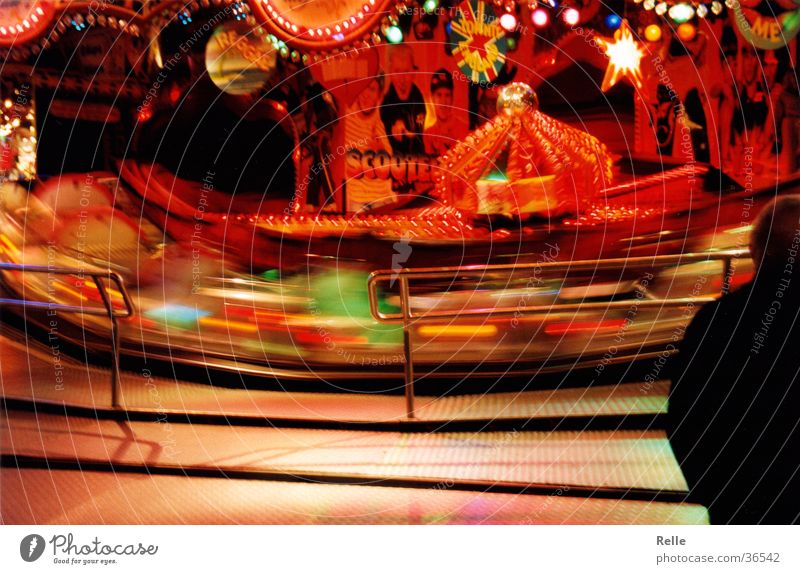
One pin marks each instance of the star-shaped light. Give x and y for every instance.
(624, 58)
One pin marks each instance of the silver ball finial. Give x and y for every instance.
(516, 98)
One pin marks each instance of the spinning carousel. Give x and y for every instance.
(212, 153)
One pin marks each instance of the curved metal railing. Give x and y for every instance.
(98, 277)
(405, 277)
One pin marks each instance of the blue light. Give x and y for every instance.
(176, 315)
(238, 11)
(613, 21)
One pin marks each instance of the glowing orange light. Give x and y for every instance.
(458, 330)
(652, 33)
(10, 248)
(228, 325)
(687, 32)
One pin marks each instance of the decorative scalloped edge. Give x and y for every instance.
(164, 13)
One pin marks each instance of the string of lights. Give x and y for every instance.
(680, 12)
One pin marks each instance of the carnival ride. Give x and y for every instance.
(233, 284)
(537, 252)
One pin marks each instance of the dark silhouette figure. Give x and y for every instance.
(734, 409)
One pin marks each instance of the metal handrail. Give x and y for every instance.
(108, 311)
(454, 274)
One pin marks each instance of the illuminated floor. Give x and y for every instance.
(616, 459)
(66, 497)
(229, 473)
(27, 372)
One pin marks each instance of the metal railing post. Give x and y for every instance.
(408, 365)
(115, 371)
(727, 275)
